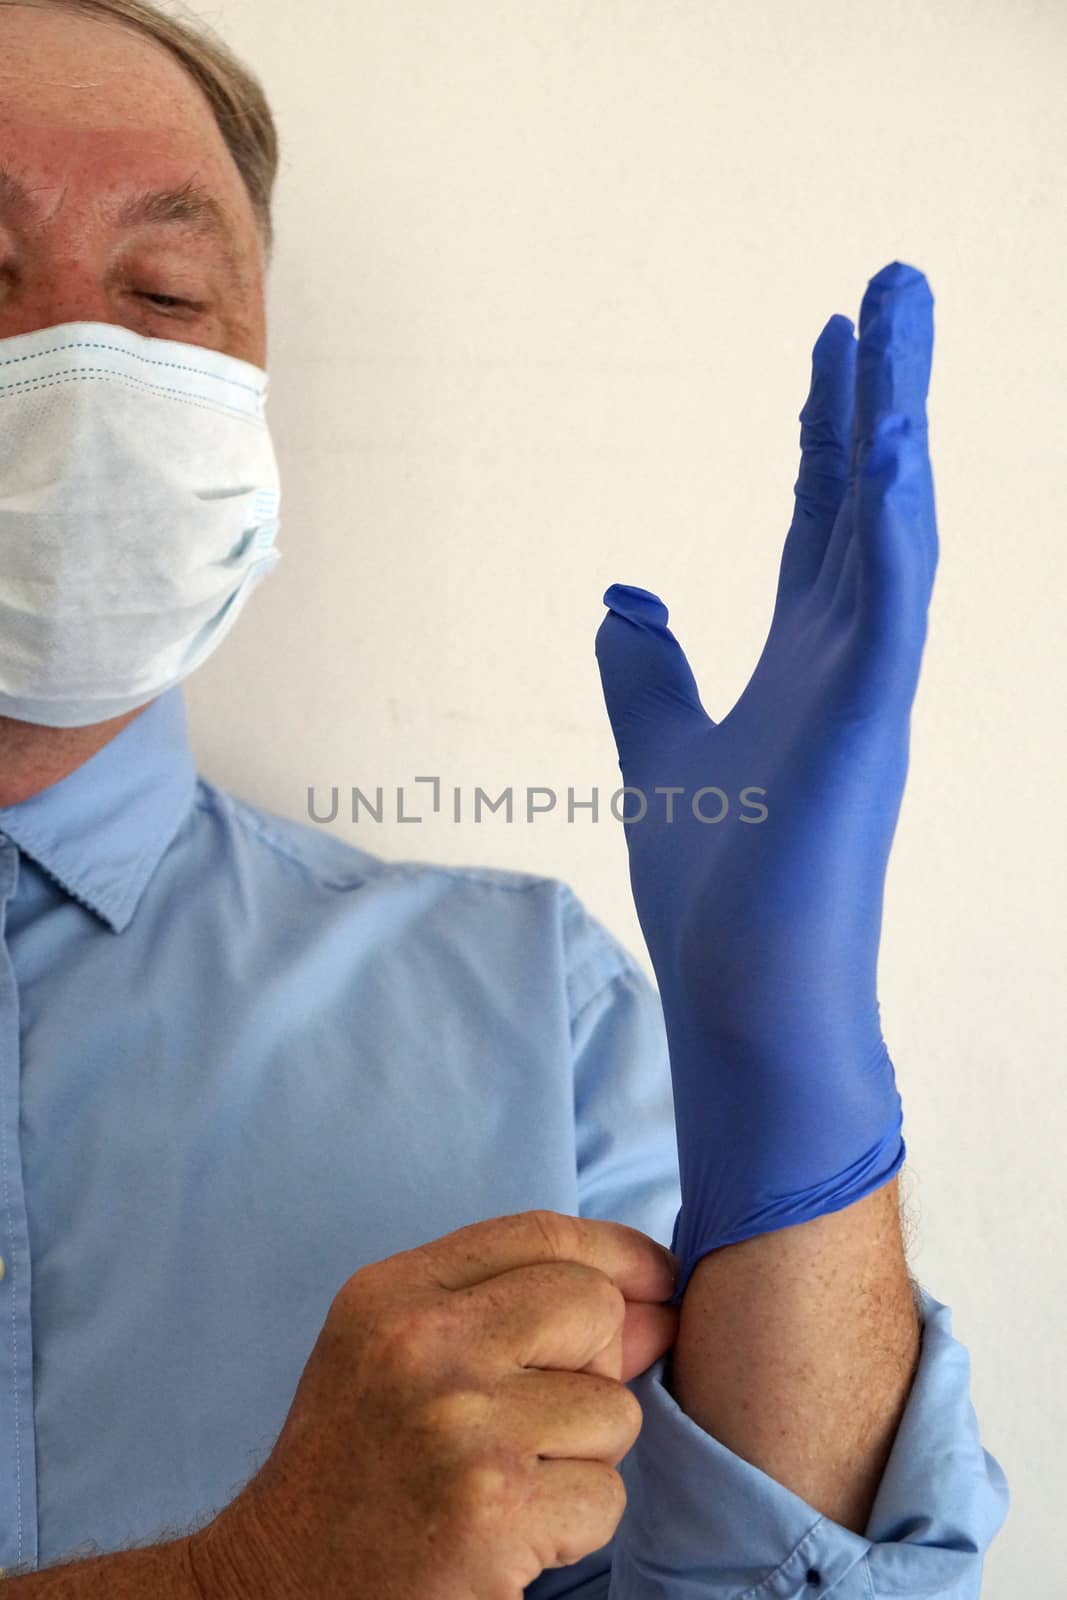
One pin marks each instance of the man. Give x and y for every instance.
(332, 1189)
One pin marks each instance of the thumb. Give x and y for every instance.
(649, 688)
(649, 1331)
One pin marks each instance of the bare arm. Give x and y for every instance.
(797, 1350)
(160, 1572)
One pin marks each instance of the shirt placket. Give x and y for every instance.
(18, 1477)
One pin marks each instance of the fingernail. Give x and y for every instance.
(637, 605)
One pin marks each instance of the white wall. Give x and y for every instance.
(547, 284)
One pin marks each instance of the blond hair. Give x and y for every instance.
(235, 93)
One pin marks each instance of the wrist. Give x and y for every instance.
(220, 1561)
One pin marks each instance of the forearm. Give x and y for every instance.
(160, 1572)
(797, 1350)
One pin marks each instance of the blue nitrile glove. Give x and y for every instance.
(764, 933)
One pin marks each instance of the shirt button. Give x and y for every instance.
(3, 1269)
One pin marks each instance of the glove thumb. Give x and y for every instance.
(649, 688)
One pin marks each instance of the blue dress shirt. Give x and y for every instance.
(240, 1060)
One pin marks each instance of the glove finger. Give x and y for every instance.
(649, 688)
(892, 375)
(825, 438)
(896, 543)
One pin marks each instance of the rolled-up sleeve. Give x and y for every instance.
(701, 1523)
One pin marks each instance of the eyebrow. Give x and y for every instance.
(189, 207)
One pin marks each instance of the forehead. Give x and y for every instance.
(80, 96)
(63, 68)
(105, 158)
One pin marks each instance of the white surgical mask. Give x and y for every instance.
(139, 498)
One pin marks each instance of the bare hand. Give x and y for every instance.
(458, 1424)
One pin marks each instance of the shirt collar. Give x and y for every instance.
(102, 832)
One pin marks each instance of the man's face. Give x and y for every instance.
(93, 118)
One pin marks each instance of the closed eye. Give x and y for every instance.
(168, 302)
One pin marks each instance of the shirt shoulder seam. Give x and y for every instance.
(604, 966)
(210, 796)
(367, 867)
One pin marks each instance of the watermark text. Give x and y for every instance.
(430, 797)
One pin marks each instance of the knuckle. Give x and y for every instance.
(486, 1494)
(612, 1300)
(614, 1497)
(603, 1505)
(603, 1305)
(631, 1415)
(608, 1499)
(553, 1230)
(410, 1340)
(456, 1414)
